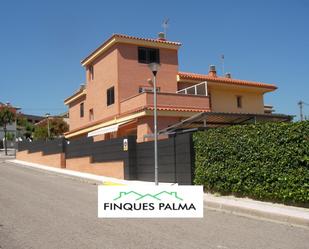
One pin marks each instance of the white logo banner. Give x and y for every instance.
(150, 201)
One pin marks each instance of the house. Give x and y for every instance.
(62, 116)
(33, 119)
(117, 97)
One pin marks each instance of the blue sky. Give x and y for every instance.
(42, 43)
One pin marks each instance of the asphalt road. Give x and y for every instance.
(42, 210)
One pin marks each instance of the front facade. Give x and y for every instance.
(117, 96)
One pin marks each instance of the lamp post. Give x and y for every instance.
(48, 128)
(154, 67)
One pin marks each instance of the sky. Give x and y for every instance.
(42, 44)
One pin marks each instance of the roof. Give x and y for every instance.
(204, 77)
(79, 93)
(127, 114)
(146, 39)
(177, 109)
(3, 105)
(218, 119)
(30, 116)
(121, 38)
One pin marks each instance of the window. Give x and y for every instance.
(91, 115)
(81, 110)
(91, 72)
(239, 101)
(148, 55)
(110, 96)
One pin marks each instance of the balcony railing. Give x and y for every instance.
(166, 100)
(198, 89)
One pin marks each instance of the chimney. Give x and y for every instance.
(161, 36)
(212, 71)
(228, 75)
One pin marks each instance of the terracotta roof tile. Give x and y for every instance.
(193, 76)
(147, 39)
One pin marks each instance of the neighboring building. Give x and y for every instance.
(117, 97)
(33, 119)
(65, 117)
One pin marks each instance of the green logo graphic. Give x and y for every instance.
(139, 196)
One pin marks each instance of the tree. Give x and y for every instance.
(40, 132)
(25, 128)
(56, 126)
(7, 117)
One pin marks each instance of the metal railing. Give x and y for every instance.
(198, 89)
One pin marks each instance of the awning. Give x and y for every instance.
(107, 129)
(219, 119)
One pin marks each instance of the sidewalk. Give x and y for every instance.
(10, 153)
(258, 209)
(230, 204)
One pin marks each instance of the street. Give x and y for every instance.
(44, 210)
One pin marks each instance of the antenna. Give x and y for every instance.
(165, 26)
(222, 61)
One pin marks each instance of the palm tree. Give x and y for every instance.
(7, 117)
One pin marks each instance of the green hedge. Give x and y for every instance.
(267, 161)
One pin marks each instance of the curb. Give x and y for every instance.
(257, 209)
(103, 179)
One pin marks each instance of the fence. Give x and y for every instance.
(121, 157)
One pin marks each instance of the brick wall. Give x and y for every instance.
(83, 164)
(54, 160)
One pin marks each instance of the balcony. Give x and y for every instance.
(198, 89)
(166, 101)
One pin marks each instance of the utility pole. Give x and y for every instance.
(301, 106)
(48, 128)
(222, 61)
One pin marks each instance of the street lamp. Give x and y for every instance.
(48, 128)
(154, 67)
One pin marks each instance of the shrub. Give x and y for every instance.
(267, 161)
